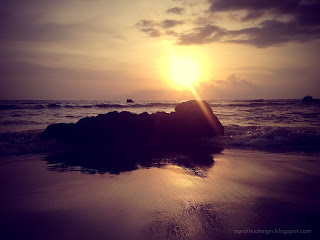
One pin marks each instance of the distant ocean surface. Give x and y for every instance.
(273, 125)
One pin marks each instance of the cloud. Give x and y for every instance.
(171, 32)
(143, 23)
(268, 33)
(275, 23)
(234, 82)
(273, 32)
(152, 32)
(175, 10)
(153, 28)
(253, 15)
(169, 23)
(149, 27)
(304, 12)
(231, 88)
(202, 35)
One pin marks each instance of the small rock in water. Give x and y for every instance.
(309, 99)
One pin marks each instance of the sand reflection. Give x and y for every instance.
(241, 190)
(95, 160)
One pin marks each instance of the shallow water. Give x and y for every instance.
(241, 190)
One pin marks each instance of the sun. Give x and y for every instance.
(184, 71)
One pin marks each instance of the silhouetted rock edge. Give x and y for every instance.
(191, 120)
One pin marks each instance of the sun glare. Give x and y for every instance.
(184, 71)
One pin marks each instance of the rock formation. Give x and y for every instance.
(124, 141)
(192, 119)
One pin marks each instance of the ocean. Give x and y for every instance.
(272, 125)
(263, 184)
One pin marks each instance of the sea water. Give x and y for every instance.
(263, 185)
(277, 125)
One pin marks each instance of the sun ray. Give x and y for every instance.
(205, 111)
(185, 73)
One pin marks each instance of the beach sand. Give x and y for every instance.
(242, 192)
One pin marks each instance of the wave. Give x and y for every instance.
(26, 142)
(53, 105)
(272, 138)
(80, 106)
(107, 105)
(249, 104)
(262, 138)
(19, 122)
(10, 106)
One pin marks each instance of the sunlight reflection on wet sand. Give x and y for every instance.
(243, 189)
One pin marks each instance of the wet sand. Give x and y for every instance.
(244, 192)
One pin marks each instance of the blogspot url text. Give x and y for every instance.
(272, 231)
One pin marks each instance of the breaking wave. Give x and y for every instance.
(275, 139)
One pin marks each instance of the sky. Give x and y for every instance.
(106, 49)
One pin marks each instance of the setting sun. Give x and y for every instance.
(184, 71)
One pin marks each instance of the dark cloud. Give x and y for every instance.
(283, 6)
(283, 22)
(175, 10)
(273, 32)
(268, 33)
(308, 13)
(169, 23)
(303, 26)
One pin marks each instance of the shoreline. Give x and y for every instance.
(243, 189)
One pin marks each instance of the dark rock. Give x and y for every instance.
(130, 100)
(197, 119)
(309, 99)
(60, 131)
(192, 119)
(117, 142)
